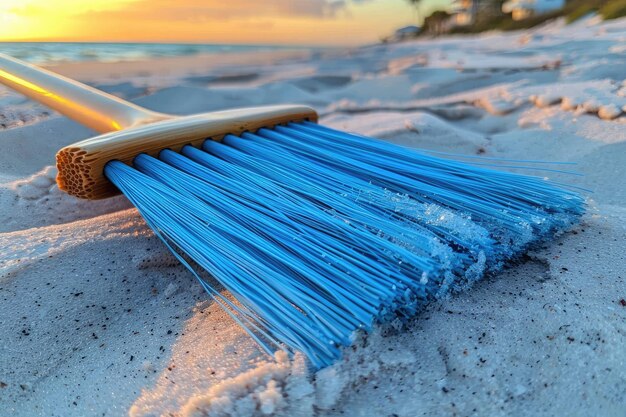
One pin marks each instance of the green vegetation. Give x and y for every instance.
(436, 22)
(613, 9)
(581, 11)
(572, 11)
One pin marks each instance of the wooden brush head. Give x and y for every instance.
(81, 165)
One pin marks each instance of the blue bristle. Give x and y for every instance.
(318, 233)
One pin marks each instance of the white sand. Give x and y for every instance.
(97, 319)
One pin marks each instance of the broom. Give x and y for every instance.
(315, 232)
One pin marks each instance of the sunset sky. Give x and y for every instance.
(304, 22)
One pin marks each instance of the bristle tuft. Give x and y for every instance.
(318, 233)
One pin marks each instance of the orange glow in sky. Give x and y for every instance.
(313, 22)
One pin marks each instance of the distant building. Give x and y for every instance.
(406, 32)
(466, 12)
(522, 9)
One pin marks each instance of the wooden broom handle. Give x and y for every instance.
(127, 129)
(86, 105)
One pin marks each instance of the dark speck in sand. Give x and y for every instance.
(622, 302)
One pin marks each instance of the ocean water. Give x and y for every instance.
(51, 52)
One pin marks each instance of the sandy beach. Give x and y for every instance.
(98, 319)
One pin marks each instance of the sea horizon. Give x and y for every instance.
(41, 52)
